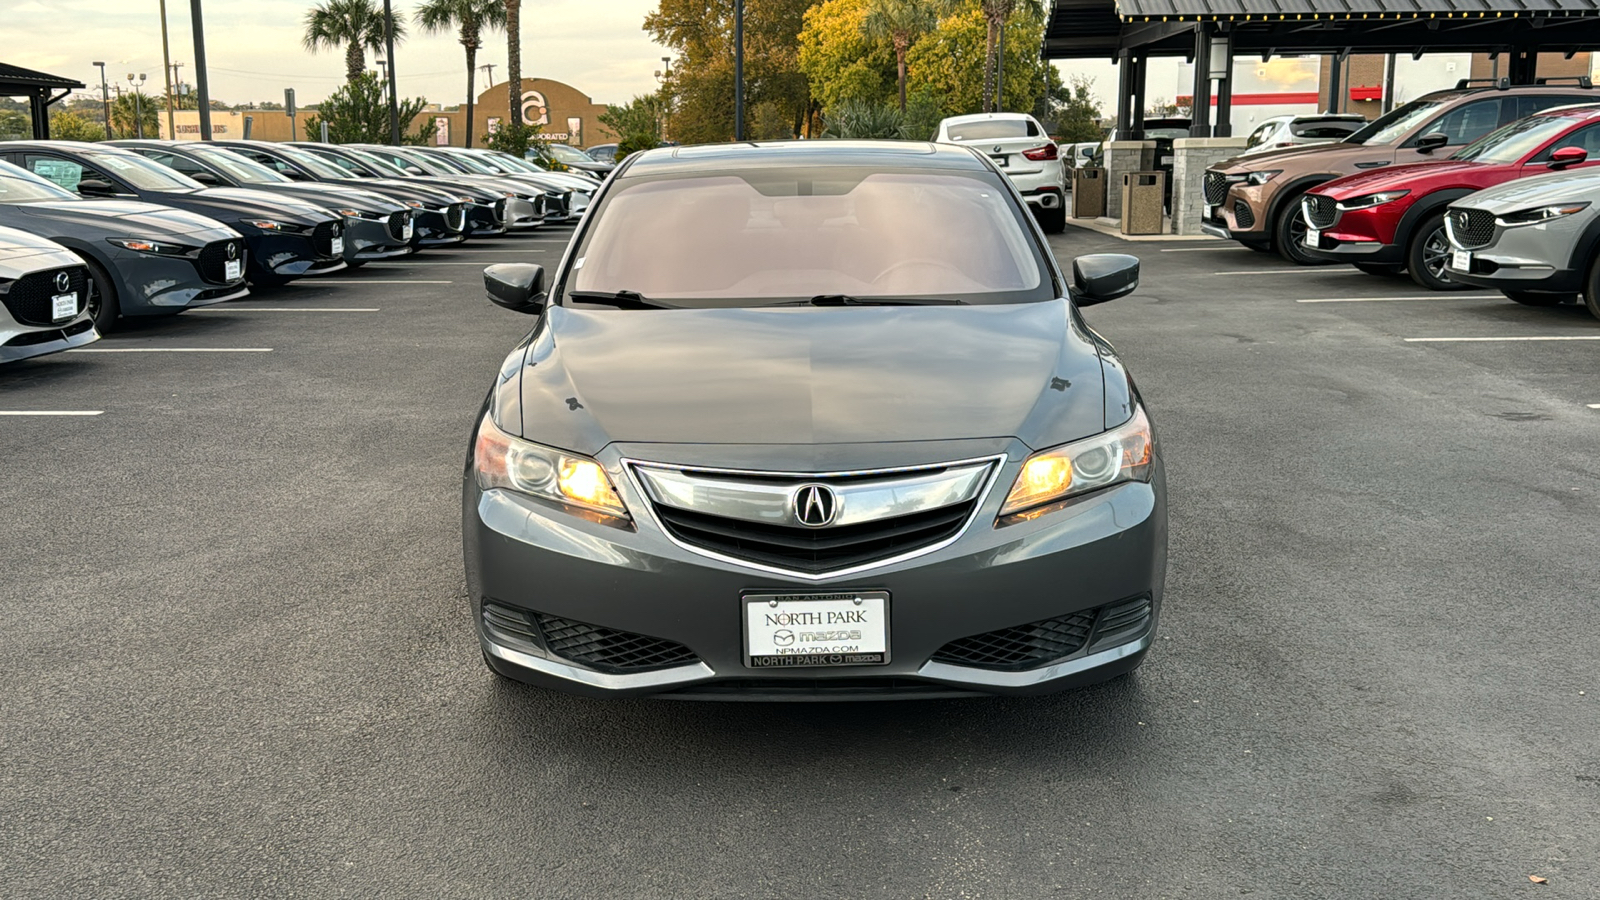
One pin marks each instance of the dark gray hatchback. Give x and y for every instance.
(813, 421)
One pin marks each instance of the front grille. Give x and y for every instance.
(500, 210)
(214, 258)
(1216, 188)
(594, 646)
(455, 217)
(1472, 228)
(1243, 217)
(1321, 210)
(815, 550)
(322, 237)
(397, 225)
(30, 299)
(1030, 646)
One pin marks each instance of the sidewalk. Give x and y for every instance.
(1113, 227)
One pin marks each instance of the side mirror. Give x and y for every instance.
(206, 178)
(1102, 277)
(1568, 156)
(1431, 142)
(96, 187)
(516, 286)
(414, 170)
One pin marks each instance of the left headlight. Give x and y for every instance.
(358, 214)
(512, 464)
(1542, 214)
(1255, 179)
(158, 248)
(270, 225)
(1370, 200)
(1121, 454)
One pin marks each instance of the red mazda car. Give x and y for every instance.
(1393, 220)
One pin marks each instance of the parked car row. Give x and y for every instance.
(1509, 209)
(156, 227)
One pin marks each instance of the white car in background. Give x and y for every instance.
(1279, 132)
(1019, 147)
(44, 289)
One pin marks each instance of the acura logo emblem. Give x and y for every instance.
(815, 505)
(233, 251)
(63, 281)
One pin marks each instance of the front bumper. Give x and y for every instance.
(486, 218)
(1090, 557)
(289, 256)
(148, 284)
(369, 239)
(24, 342)
(1536, 258)
(1241, 215)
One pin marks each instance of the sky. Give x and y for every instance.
(254, 51)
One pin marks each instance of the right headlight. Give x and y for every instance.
(1536, 216)
(510, 463)
(1122, 454)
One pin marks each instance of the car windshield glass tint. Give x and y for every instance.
(426, 163)
(471, 164)
(379, 166)
(247, 171)
(1324, 128)
(788, 234)
(1395, 124)
(446, 165)
(310, 163)
(1165, 134)
(21, 186)
(992, 129)
(144, 174)
(569, 154)
(1515, 141)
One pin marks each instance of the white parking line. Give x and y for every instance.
(1465, 340)
(351, 309)
(1220, 245)
(547, 251)
(171, 350)
(1439, 296)
(1594, 405)
(51, 412)
(372, 281)
(1306, 270)
(480, 263)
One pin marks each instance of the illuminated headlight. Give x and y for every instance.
(1371, 200)
(358, 214)
(1121, 454)
(464, 200)
(158, 248)
(1536, 216)
(270, 225)
(1255, 179)
(414, 204)
(508, 463)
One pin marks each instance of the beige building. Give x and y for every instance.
(562, 113)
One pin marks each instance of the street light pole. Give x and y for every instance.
(105, 97)
(166, 73)
(200, 70)
(394, 97)
(138, 105)
(738, 70)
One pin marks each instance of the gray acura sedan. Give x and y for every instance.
(813, 420)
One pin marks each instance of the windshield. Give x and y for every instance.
(379, 166)
(991, 129)
(310, 162)
(21, 186)
(566, 154)
(785, 235)
(247, 171)
(513, 162)
(144, 174)
(473, 163)
(1395, 124)
(446, 165)
(1516, 140)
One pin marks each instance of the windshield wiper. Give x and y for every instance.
(848, 300)
(619, 299)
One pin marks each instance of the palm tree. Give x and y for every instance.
(513, 23)
(902, 22)
(468, 18)
(995, 14)
(353, 24)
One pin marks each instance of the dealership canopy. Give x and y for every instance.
(40, 89)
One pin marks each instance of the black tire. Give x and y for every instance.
(1591, 289)
(1289, 234)
(1428, 255)
(1533, 298)
(102, 300)
(1053, 221)
(1387, 270)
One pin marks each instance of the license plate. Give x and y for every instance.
(232, 270)
(1001, 161)
(1313, 237)
(1166, 160)
(405, 233)
(791, 630)
(1211, 211)
(338, 246)
(64, 306)
(1461, 260)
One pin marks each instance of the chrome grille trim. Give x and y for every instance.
(993, 465)
(1320, 210)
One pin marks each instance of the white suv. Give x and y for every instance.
(44, 289)
(1020, 148)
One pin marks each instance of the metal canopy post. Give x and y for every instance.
(1334, 83)
(1524, 65)
(1124, 92)
(1141, 72)
(1222, 61)
(1200, 105)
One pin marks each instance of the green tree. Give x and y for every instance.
(354, 25)
(16, 126)
(864, 120)
(637, 123)
(123, 118)
(995, 15)
(902, 22)
(839, 60)
(358, 113)
(949, 61)
(70, 126)
(468, 18)
(1071, 111)
(512, 21)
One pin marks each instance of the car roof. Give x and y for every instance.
(1573, 111)
(768, 154)
(69, 146)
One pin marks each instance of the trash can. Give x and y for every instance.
(1143, 196)
(1088, 193)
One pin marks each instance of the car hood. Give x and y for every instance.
(804, 375)
(16, 245)
(1539, 190)
(107, 218)
(1304, 159)
(1419, 178)
(230, 203)
(402, 189)
(329, 196)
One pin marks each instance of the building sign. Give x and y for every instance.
(535, 111)
(575, 130)
(492, 126)
(442, 136)
(217, 128)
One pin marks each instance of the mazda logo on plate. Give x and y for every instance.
(815, 505)
(233, 251)
(63, 281)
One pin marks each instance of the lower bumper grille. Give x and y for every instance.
(214, 258)
(1243, 217)
(1472, 228)
(31, 298)
(1029, 646)
(592, 646)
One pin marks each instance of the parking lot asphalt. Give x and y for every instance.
(238, 660)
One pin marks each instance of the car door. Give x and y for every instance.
(1586, 138)
(71, 174)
